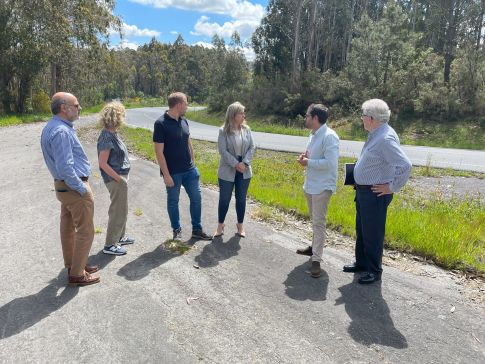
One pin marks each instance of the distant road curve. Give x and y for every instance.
(460, 159)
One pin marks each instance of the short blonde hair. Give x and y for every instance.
(232, 110)
(112, 115)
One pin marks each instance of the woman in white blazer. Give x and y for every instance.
(236, 147)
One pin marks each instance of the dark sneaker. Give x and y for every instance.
(305, 251)
(177, 234)
(126, 240)
(201, 235)
(114, 250)
(316, 271)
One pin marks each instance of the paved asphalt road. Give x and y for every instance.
(255, 302)
(469, 160)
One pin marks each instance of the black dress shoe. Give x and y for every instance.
(306, 251)
(369, 278)
(353, 268)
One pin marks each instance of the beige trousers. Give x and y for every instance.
(77, 227)
(317, 207)
(118, 210)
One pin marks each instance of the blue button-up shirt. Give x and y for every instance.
(322, 152)
(382, 160)
(64, 154)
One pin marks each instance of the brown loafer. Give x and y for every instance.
(88, 268)
(84, 280)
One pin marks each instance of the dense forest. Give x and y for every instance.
(425, 57)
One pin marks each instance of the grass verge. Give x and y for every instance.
(468, 134)
(450, 232)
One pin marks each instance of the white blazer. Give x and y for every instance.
(227, 149)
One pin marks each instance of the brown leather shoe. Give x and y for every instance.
(316, 271)
(88, 268)
(84, 280)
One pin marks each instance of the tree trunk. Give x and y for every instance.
(23, 89)
(296, 43)
(480, 25)
(349, 34)
(329, 51)
(311, 43)
(450, 39)
(53, 78)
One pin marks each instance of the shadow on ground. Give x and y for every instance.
(371, 318)
(217, 251)
(144, 264)
(301, 286)
(24, 312)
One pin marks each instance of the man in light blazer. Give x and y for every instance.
(236, 147)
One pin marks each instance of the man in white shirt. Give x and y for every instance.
(321, 163)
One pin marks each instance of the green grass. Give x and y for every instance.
(450, 232)
(469, 134)
(9, 120)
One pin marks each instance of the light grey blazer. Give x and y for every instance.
(227, 164)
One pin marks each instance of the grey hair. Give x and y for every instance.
(56, 105)
(377, 109)
(232, 110)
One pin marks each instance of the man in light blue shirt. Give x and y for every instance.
(321, 163)
(381, 170)
(69, 166)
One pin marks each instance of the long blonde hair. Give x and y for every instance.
(232, 110)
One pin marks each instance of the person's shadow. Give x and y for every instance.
(301, 286)
(216, 251)
(24, 312)
(141, 266)
(371, 319)
(101, 259)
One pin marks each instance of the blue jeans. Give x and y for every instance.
(190, 181)
(225, 193)
(370, 226)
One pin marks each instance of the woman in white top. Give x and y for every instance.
(236, 147)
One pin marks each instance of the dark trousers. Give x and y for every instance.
(370, 226)
(241, 186)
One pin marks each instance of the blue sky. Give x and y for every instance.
(196, 20)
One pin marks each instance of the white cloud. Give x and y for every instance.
(126, 44)
(204, 44)
(174, 32)
(237, 9)
(249, 54)
(244, 27)
(245, 16)
(133, 31)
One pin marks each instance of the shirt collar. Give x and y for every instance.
(319, 130)
(379, 130)
(69, 123)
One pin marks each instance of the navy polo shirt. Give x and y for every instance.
(174, 134)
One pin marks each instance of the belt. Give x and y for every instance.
(85, 179)
(356, 186)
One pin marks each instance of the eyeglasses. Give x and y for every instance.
(77, 106)
(365, 116)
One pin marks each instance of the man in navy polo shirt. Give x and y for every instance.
(175, 156)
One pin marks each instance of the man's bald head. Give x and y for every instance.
(60, 98)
